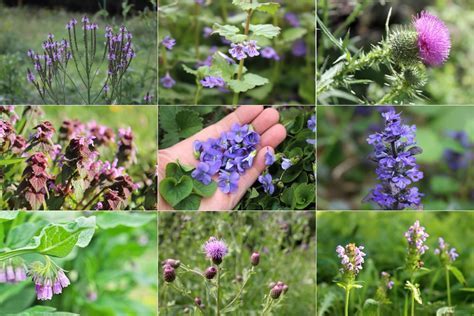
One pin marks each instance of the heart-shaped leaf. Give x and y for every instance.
(204, 190)
(174, 191)
(191, 203)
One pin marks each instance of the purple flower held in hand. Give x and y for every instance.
(269, 158)
(215, 249)
(237, 51)
(201, 173)
(434, 42)
(286, 163)
(266, 181)
(228, 181)
(168, 42)
(352, 258)
(167, 81)
(446, 255)
(251, 48)
(212, 81)
(394, 151)
(269, 53)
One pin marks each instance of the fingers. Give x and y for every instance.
(273, 136)
(265, 120)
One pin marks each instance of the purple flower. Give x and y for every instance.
(251, 48)
(299, 48)
(312, 123)
(30, 77)
(266, 181)
(255, 259)
(386, 279)
(352, 258)
(286, 163)
(45, 285)
(210, 273)
(434, 42)
(228, 181)
(201, 173)
(207, 31)
(459, 158)
(269, 158)
(215, 249)
(167, 81)
(446, 255)
(416, 237)
(394, 151)
(237, 51)
(278, 289)
(212, 81)
(269, 53)
(168, 42)
(292, 19)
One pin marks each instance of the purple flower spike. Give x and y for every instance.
(352, 258)
(167, 81)
(215, 250)
(416, 237)
(446, 255)
(434, 42)
(168, 42)
(237, 51)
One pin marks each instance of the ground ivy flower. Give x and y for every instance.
(269, 53)
(212, 81)
(266, 181)
(168, 42)
(167, 81)
(446, 254)
(215, 249)
(237, 51)
(299, 48)
(251, 48)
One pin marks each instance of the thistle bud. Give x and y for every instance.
(276, 291)
(255, 258)
(169, 274)
(171, 262)
(210, 273)
(403, 45)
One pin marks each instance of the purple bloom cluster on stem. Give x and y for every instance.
(46, 286)
(416, 237)
(12, 271)
(243, 50)
(228, 156)
(446, 254)
(352, 258)
(9, 140)
(394, 152)
(459, 159)
(212, 81)
(168, 42)
(169, 269)
(34, 187)
(215, 249)
(277, 289)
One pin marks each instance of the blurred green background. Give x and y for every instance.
(286, 243)
(382, 235)
(346, 175)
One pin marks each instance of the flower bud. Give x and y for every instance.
(169, 274)
(210, 273)
(197, 301)
(403, 44)
(280, 185)
(255, 258)
(276, 291)
(172, 262)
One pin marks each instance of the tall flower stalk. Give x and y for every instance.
(447, 256)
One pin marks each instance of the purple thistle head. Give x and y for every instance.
(167, 81)
(434, 41)
(446, 254)
(215, 250)
(168, 42)
(169, 273)
(210, 273)
(352, 258)
(277, 289)
(255, 259)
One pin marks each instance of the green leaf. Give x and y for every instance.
(8, 215)
(230, 32)
(12, 161)
(188, 122)
(457, 274)
(108, 220)
(173, 170)
(185, 168)
(249, 81)
(253, 194)
(267, 7)
(20, 235)
(265, 30)
(174, 191)
(191, 203)
(415, 291)
(204, 190)
(222, 68)
(189, 70)
(444, 185)
(167, 116)
(291, 35)
(304, 195)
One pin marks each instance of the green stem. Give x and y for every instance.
(412, 303)
(240, 290)
(346, 307)
(405, 307)
(448, 286)
(241, 63)
(198, 92)
(14, 253)
(218, 298)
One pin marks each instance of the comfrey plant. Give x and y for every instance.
(352, 258)
(406, 50)
(49, 279)
(394, 153)
(62, 168)
(50, 74)
(226, 72)
(215, 250)
(447, 257)
(416, 237)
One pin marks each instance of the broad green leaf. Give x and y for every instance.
(249, 81)
(265, 30)
(230, 32)
(173, 170)
(20, 235)
(458, 274)
(184, 167)
(167, 117)
(268, 7)
(204, 190)
(304, 195)
(11, 161)
(108, 220)
(8, 215)
(222, 68)
(188, 122)
(189, 70)
(291, 35)
(191, 203)
(174, 191)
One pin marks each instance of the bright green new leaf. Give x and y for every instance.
(265, 30)
(174, 191)
(12, 161)
(230, 32)
(249, 81)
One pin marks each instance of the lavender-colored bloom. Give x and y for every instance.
(148, 97)
(167, 81)
(416, 237)
(446, 254)
(200, 2)
(394, 151)
(269, 158)
(299, 48)
(255, 259)
(434, 42)
(292, 19)
(207, 31)
(266, 181)
(286, 163)
(201, 173)
(352, 258)
(20, 273)
(30, 77)
(459, 159)
(168, 42)
(237, 51)
(269, 53)
(215, 249)
(251, 48)
(312, 123)
(228, 181)
(212, 81)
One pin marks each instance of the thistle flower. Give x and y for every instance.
(394, 151)
(169, 273)
(445, 254)
(352, 258)
(416, 237)
(172, 262)
(210, 273)
(168, 42)
(255, 259)
(167, 81)
(215, 250)
(278, 289)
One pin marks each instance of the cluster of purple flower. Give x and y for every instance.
(446, 254)
(168, 42)
(117, 194)
(386, 280)
(352, 258)
(394, 151)
(48, 284)
(215, 250)
(457, 159)
(312, 127)
(212, 81)
(12, 271)
(277, 289)
(127, 152)
(33, 186)
(169, 269)
(120, 53)
(243, 50)
(229, 156)
(416, 237)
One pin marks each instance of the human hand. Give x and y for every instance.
(263, 121)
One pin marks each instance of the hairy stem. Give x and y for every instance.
(448, 286)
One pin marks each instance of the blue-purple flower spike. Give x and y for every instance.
(394, 152)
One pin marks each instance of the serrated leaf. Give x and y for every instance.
(291, 35)
(188, 122)
(265, 30)
(167, 117)
(189, 70)
(204, 190)
(268, 7)
(174, 191)
(230, 32)
(249, 81)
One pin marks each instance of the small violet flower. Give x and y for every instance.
(286, 163)
(167, 81)
(237, 51)
(168, 42)
(446, 254)
(266, 181)
(269, 53)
